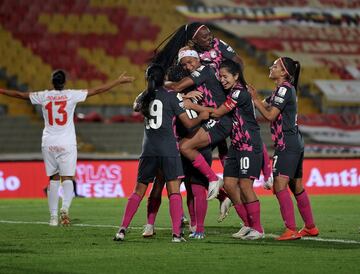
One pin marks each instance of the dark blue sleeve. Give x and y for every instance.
(177, 104)
(226, 50)
(200, 75)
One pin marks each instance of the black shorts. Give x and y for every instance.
(243, 164)
(171, 168)
(218, 130)
(192, 174)
(288, 164)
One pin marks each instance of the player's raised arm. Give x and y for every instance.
(122, 79)
(15, 94)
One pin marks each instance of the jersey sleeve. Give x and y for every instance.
(37, 98)
(226, 50)
(200, 75)
(177, 103)
(281, 97)
(79, 95)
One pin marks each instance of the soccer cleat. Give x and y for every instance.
(148, 231)
(309, 232)
(268, 184)
(177, 239)
(64, 217)
(289, 235)
(224, 209)
(253, 234)
(242, 232)
(214, 188)
(197, 235)
(54, 221)
(120, 235)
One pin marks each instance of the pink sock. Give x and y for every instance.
(176, 212)
(222, 195)
(304, 206)
(286, 208)
(130, 210)
(253, 210)
(152, 209)
(266, 168)
(191, 208)
(241, 211)
(201, 164)
(200, 206)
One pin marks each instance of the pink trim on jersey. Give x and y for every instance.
(209, 137)
(253, 177)
(181, 177)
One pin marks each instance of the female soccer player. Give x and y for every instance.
(160, 153)
(59, 139)
(281, 110)
(212, 132)
(244, 159)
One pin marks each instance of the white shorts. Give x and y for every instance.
(60, 159)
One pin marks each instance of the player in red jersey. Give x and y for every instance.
(59, 139)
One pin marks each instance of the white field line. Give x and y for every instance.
(168, 228)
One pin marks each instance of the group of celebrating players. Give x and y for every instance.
(196, 97)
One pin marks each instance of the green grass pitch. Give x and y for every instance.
(34, 247)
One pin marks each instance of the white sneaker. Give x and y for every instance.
(148, 231)
(214, 188)
(253, 235)
(242, 232)
(64, 217)
(54, 221)
(269, 183)
(224, 209)
(177, 239)
(120, 235)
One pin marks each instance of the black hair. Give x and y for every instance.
(234, 68)
(293, 69)
(167, 55)
(58, 79)
(176, 72)
(155, 76)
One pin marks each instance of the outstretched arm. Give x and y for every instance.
(15, 94)
(122, 79)
(270, 113)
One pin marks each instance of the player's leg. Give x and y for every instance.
(67, 157)
(303, 202)
(173, 173)
(52, 171)
(200, 202)
(282, 172)
(153, 205)
(266, 169)
(147, 171)
(191, 206)
(252, 206)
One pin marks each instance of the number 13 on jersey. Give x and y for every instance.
(57, 109)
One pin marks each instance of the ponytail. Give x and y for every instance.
(292, 69)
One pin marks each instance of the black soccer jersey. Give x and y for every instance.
(219, 52)
(159, 134)
(206, 81)
(284, 129)
(245, 134)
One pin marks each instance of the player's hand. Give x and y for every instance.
(123, 78)
(188, 104)
(195, 94)
(252, 91)
(204, 115)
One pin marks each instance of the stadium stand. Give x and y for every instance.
(94, 40)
